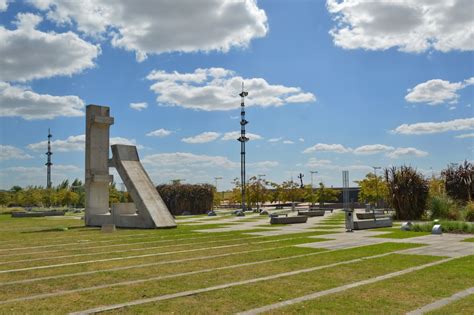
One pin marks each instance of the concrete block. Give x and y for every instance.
(406, 226)
(108, 228)
(437, 229)
(289, 220)
(312, 213)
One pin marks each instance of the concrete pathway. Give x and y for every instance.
(442, 302)
(445, 245)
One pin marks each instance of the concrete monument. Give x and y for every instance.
(148, 209)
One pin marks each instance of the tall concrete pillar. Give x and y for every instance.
(97, 178)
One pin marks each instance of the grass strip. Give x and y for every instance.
(398, 234)
(397, 295)
(151, 251)
(92, 265)
(168, 286)
(242, 297)
(463, 306)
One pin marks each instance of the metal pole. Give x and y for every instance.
(242, 139)
(216, 179)
(258, 191)
(48, 163)
(376, 187)
(312, 186)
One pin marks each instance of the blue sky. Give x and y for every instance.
(332, 85)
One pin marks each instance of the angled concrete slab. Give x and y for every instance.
(152, 212)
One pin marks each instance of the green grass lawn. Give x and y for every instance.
(400, 294)
(47, 269)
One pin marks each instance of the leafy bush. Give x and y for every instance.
(440, 207)
(459, 181)
(194, 199)
(446, 227)
(469, 212)
(408, 192)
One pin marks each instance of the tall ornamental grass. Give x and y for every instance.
(408, 192)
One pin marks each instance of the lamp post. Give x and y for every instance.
(242, 139)
(312, 186)
(376, 186)
(258, 191)
(216, 179)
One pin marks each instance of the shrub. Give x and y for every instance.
(469, 212)
(195, 199)
(459, 181)
(408, 192)
(440, 207)
(446, 226)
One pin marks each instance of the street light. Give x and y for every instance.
(312, 186)
(258, 190)
(376, 186)
(216, 179)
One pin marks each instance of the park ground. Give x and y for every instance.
(227, 264)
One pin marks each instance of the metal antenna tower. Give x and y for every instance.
(242, 139)
(48, 163)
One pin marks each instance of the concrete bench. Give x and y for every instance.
(288, 220)
(316, 208)
(312, 213)
(367, 216)
(372, 224)
(34, 214)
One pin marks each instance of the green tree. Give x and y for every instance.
(292, 191)
(114, 194)
(310, 194)
(64, 185)
(372, 189)
(5, 198)
(326, 194)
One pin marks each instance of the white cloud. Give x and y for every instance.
(8, 152)
(436, 92)
(411, 26)
(3, 5)
(28, 53)
(263, 165)
(435, 127)
(184, 159)
(139, 106)
(301, 98)
(314, 162)
(158, 26)
(233, 135)
(204, 137)
(406, 152)
(159, 133)
(323, 147)
(288, 142)
(328, 165)
(466, 135)
(76, 143)
(275, 139)
(372, 149)
(21, 101)
(216, 89)
(301, 139)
